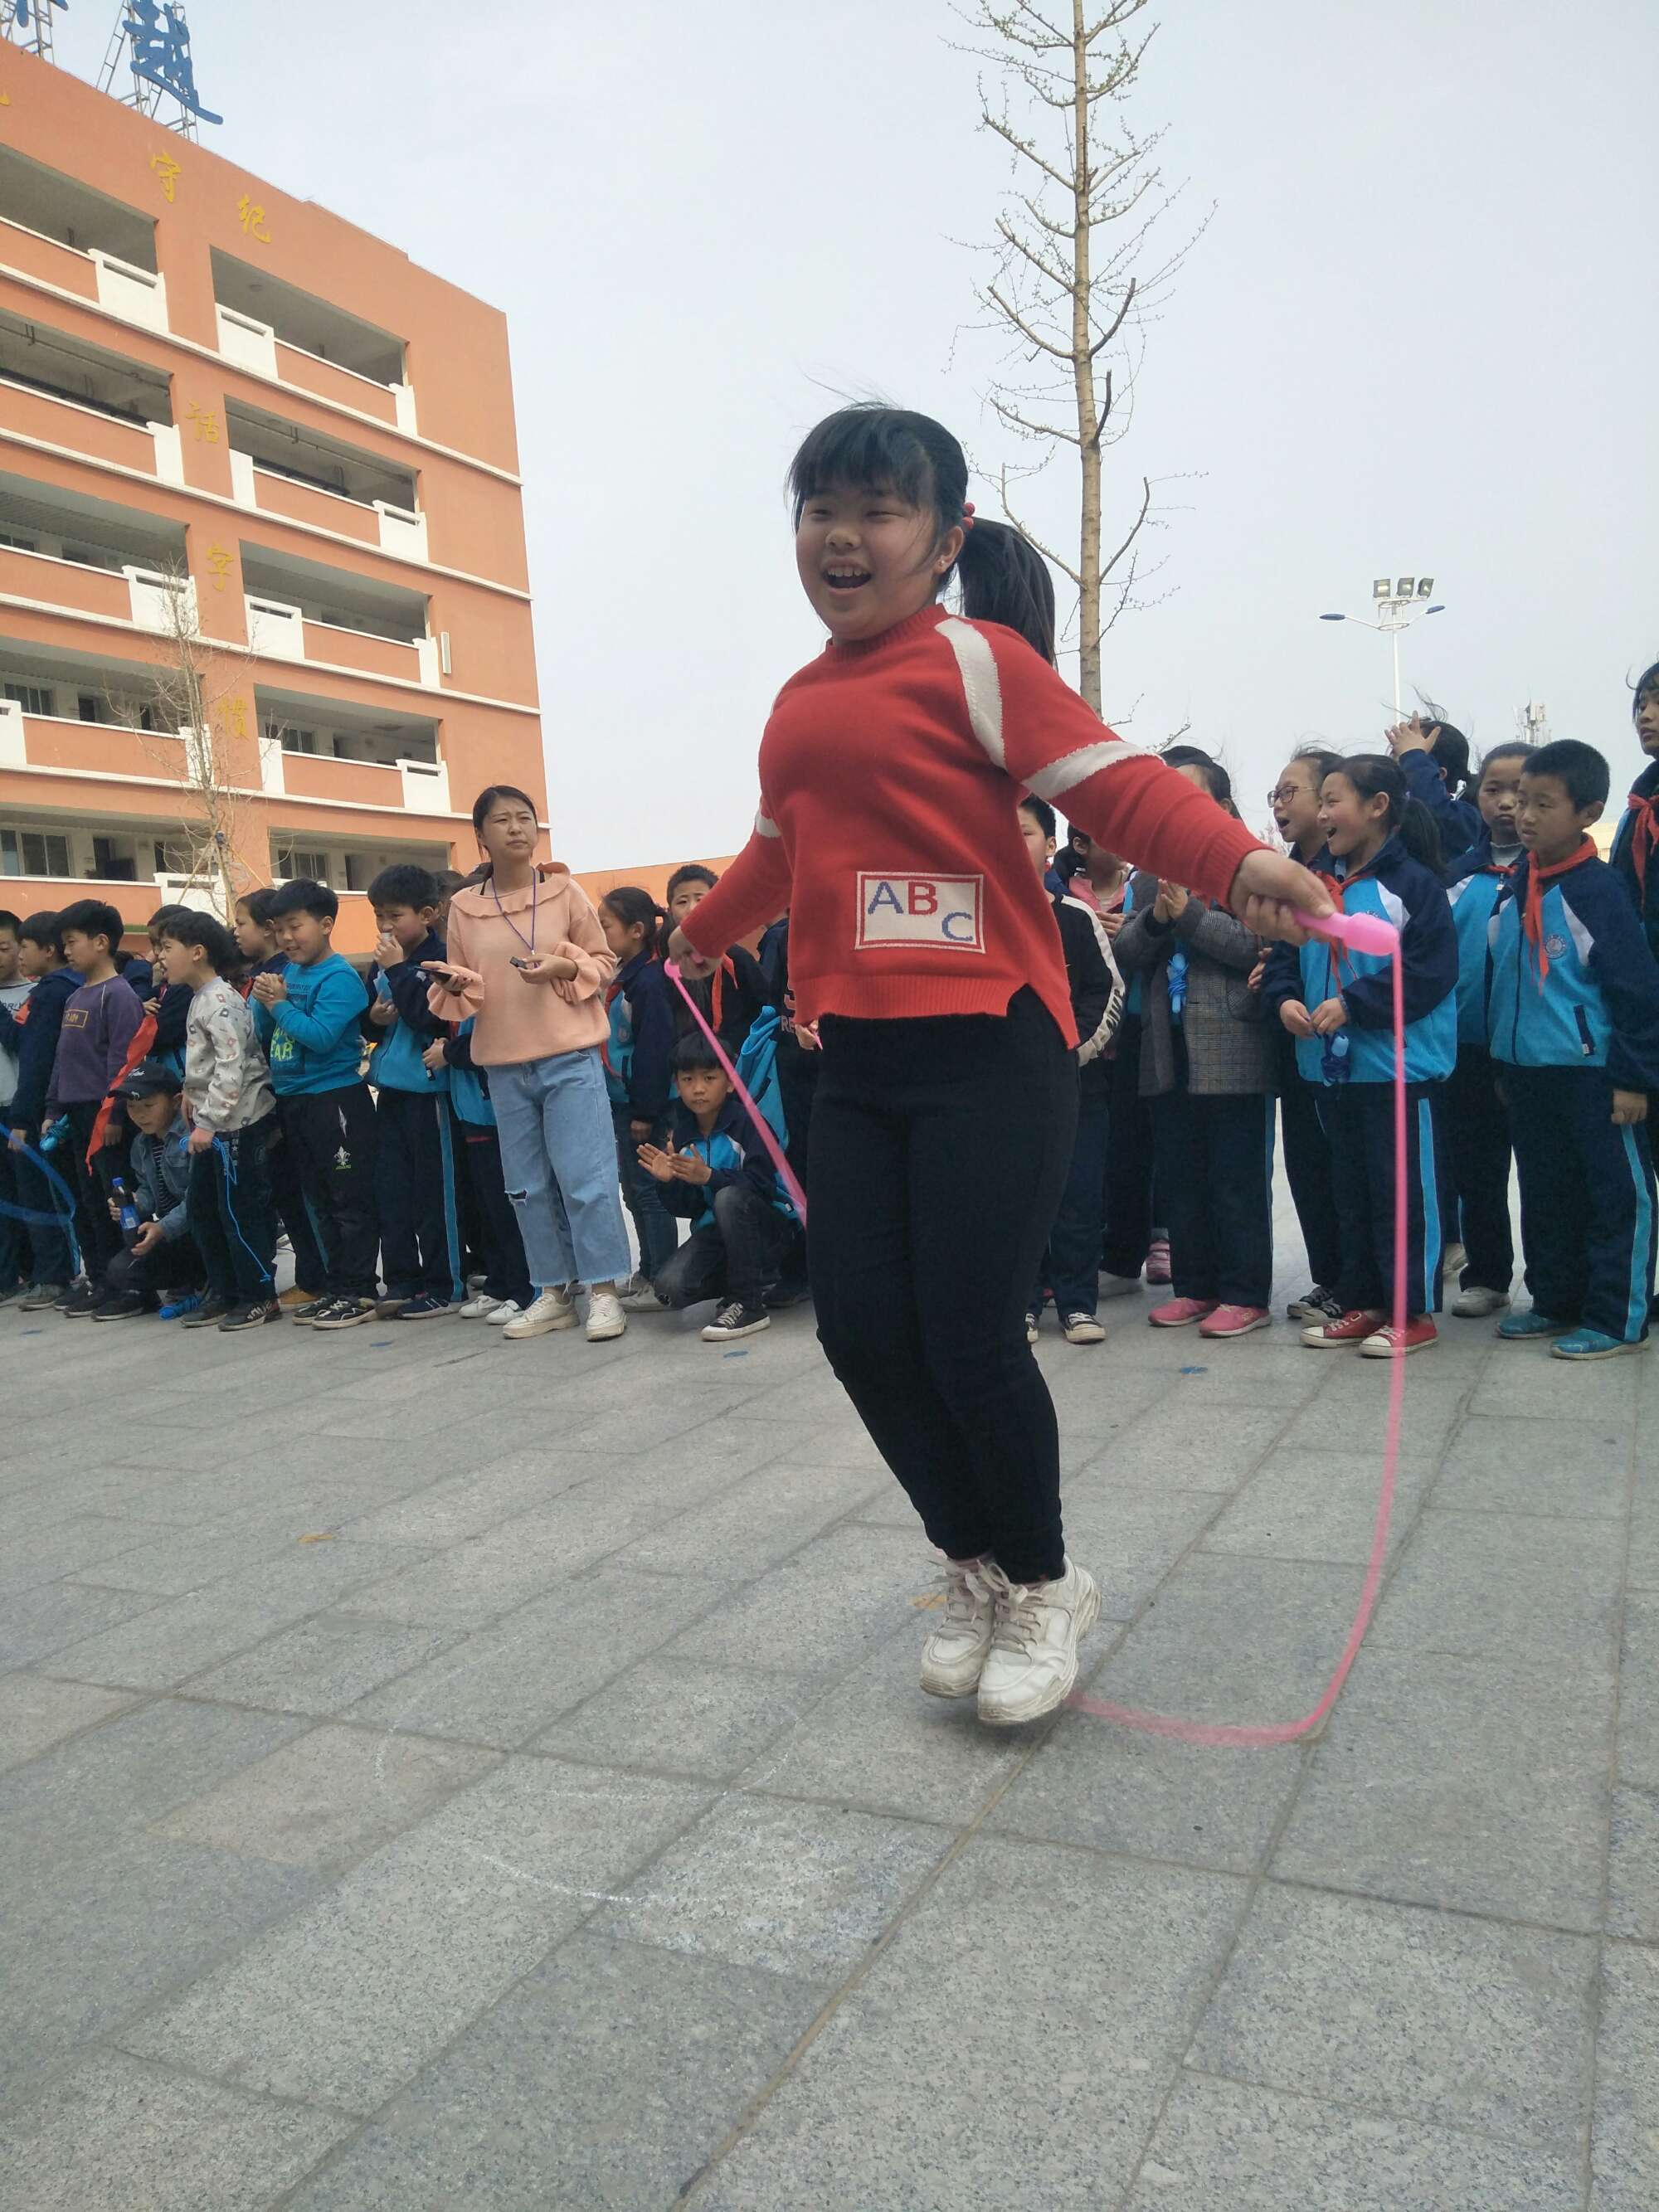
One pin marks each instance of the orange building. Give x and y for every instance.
(264, 603)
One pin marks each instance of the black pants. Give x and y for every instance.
(798, 1068)
(16, 1261)
(95, 1233)
(1308, 1167)
(1587, 1200)
(172, 1267)
(1129, 1228)
(506, 1275)
(49, 1245)
(737, 1254)
(939, 1150)
(332, 1133)
(1215, 1157)
(288, 1193)
(414, 1196)
(1478, 1144)
(1070, 1264)
(1360, 1118)
(232, 1218)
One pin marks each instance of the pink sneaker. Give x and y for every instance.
(1235, 1320)
(1180, 1313)
(1157, 1261)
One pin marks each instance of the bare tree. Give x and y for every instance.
(1075, 279)
(191, 702)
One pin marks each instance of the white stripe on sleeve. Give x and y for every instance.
(764, 825)
(1060, 776)
(980, 684)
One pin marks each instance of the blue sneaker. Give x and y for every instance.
(179, 1307)
(1590, 1343)
(1516, 1328)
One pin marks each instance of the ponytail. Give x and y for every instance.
(1006, 579)
(1003, 577)
(1379, 776)
(636, 908)
(1419, 833)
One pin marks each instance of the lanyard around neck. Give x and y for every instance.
(528, 943)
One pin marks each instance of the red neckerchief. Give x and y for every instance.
(142, 1037)
(1644, 836)
(1338, 887)
(1532, 914)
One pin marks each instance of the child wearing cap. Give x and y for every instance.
(157, 1252)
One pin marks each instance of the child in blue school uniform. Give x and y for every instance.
(507, 1289)
(1477, 1120)
(1573, 1010)
(639, 1001)
(1338, 1004)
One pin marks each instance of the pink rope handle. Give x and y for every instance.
(786, 1174)
(1367, 933)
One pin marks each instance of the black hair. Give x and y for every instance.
(41, 928)
(694, 871)
(1379, 776)
(448, 880)
(1512, 749)
(259, 904)
(93, 918)
(491, 791)
(1323, 757)
(1069, 863)
(163, 913)
(405, 883)
(9, 921)
(635, 907)
(1041, 812)
(1581, 769)
(1451, 749)
(1216, 781)
(1003, 577)
(304, 896)
(692, 1051)
(1647, 686)
(203, 933)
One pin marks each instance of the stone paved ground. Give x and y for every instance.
(449, 1775)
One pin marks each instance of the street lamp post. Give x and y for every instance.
(1399, 603)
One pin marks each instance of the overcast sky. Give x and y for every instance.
(1419, 335)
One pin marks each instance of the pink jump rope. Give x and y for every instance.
(1365, 933)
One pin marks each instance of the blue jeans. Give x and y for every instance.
(657, 1229)
(559, 1158)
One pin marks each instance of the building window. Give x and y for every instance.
(33, 853)
(90, 708)
(33, 698)
(290, 740)
(296, 860)
(171, 860)
(109, 865)
(19, 544)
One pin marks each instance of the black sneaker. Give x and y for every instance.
(391, 1307)
(1317, 1305)
(207, 1314)
(345, 1313)
(41, 1298)
(120, 1305)
(426, 1308)
(734, 1321)
(78, 1304)
(252, 1313)
(305, 1316)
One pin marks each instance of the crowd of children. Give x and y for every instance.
(461, 1130)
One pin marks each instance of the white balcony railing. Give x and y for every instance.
(138, 295)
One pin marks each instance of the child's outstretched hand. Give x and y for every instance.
(1330, 1014)
(1270, 890)
(657, 1163)
(1629, 1107)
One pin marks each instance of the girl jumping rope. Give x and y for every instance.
(923, 942)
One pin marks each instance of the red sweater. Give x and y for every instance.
(890, 772)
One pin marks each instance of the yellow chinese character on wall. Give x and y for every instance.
(168, 171)
(206, 420)
(236, 715)
(252, 217)
(218, 561)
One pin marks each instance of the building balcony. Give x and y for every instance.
(303, 611)
(132, 594)
(61, 393)
(87, 557)
(278, 331)
(287, 469)
(61, 231)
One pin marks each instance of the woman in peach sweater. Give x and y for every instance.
(528, 960)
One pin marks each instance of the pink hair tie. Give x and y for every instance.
(968, 514)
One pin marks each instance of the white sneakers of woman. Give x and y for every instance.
(481, 1307)
(605, 1317)
(1033, 1664)
(505, 1310)
(552, 1308)
(954, 1654)
(1015, 1644)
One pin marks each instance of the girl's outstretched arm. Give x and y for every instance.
(754, 890)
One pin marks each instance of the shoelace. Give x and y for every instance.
(965, 1591)
(1018, 1621)
(728, 1317)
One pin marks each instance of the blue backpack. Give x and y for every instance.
(757, 1064)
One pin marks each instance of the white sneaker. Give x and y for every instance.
(1084, 1328)
(508, 1309)
(1477, 1303)
(553, 1309)
(642, 1298)
(1117, 1286)
(1031, 1666)
(605, 1317)
(1453, 1261)
(954, 1654)
(1033, 1327)
(480, 1307)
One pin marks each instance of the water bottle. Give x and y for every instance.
(127, 1210)
(1333, 1062)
